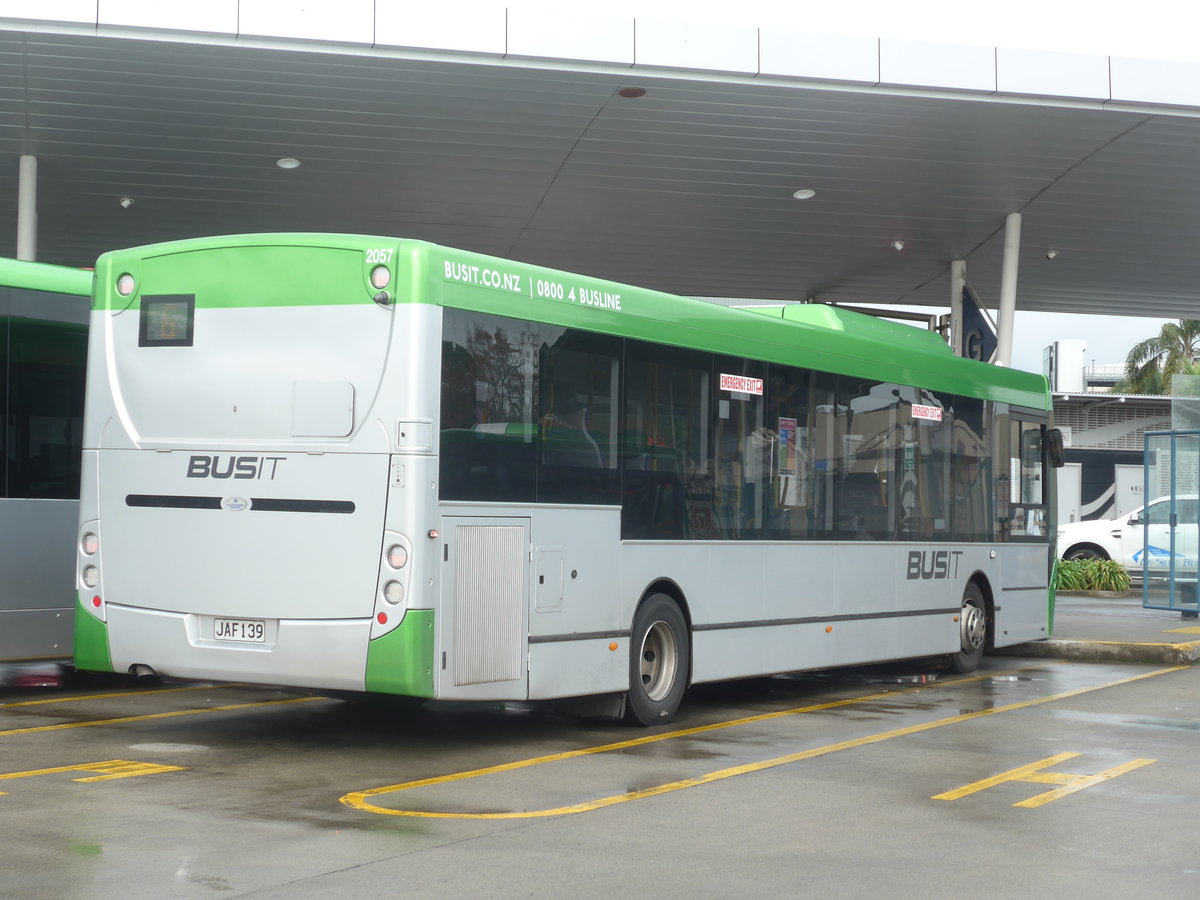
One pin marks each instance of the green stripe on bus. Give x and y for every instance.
(41, 277)
(91, 641)
(401, 662)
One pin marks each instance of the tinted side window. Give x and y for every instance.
(928, 421)
(578, 378)
(489, 403)
(826, 440)
(666, 445)
(971, 474)
(44, 365)
(1159, 513)
(745, 449)
(789, 501)
(868, 501)
(1027, 480)
(1187, 509)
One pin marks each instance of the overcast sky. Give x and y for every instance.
(1109, 338)
(1153, 29)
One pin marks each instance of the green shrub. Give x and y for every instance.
(1091, 575)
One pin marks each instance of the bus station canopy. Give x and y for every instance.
(661, 154)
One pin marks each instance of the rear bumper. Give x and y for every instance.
(327, 654)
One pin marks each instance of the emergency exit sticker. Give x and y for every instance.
(741, 384)
(932, 413)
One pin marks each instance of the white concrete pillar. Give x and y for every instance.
(27, 208)
(1008, 290)
(958, 281)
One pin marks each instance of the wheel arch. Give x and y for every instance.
(1101, 553)
(669, 587)
(980, 580)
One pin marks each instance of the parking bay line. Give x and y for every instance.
(361, 800)
(106, 770)
(172, 690)
(121, 720)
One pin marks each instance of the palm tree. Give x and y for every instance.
(1152, 363)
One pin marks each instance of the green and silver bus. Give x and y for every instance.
(43, 351)
(368, 464)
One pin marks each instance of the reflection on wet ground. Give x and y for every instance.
(972, 694)
(1125, 721)
(34, 675)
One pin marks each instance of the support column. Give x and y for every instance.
(27, 208)
(1008, 290)
(958, 281)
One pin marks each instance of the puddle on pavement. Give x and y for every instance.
(1137, 721)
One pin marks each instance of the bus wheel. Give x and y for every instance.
(658, 662)
(972, 626)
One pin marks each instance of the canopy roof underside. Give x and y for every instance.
(686, 188)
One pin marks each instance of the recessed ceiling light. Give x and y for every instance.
(804, 194)
(288, 162)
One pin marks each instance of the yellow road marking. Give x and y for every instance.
(109, 769)
(683, 732)
(1024, 773)
(174, 690)
(1195, 629)
(36, 729)
(1035, 773)
(362, 799)
(1079, 782)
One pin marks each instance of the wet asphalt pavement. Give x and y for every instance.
(1029, 777)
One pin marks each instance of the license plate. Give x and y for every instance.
(249, 630)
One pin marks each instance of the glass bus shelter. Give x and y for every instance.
(1170, 522)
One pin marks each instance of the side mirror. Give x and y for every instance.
(1054, 447)
(1136, 519)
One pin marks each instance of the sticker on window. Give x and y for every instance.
(741, 384)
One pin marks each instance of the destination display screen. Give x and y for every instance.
(167, 321)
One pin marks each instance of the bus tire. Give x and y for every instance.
(659, 662)
(972, 629)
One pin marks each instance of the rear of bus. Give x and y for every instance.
(258, 464)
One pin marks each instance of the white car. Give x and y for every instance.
(1125, 537)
